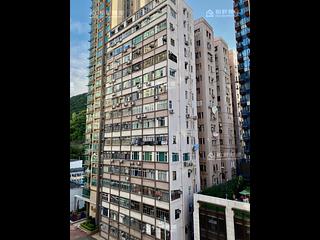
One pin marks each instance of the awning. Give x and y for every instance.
(84, 199)
(245, 192)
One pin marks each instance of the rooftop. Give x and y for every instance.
(234, 189)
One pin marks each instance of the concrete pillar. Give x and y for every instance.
(196, 219)
(230, 223)
(74, 203)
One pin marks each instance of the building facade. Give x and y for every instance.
(142, 164)
(220, 219)
(236, 104)
(76, 171)
(242, 26)
(225, 110)
(208, 121)
(214, 106)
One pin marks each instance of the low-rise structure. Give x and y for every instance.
(218, 218)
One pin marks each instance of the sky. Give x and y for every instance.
(218, 13)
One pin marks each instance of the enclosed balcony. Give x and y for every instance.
(246, 136)
(245, 113)
(86, 193)
(246, 125)
(243, 102)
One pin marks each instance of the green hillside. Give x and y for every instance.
(77, 125)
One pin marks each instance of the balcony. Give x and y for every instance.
(243, 90)
(246, 137)
(243, 102)
(246, 125)
(245, 113)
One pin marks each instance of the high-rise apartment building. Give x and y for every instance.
(225, 109)
(141, 134)
(236, 103)
(207, 108)
(214, 107)
(242, 26)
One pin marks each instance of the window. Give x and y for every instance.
(162, 214)
(173, 13)
(161, 26)
(172, 42)
(186, 156)
(160, 57)
(177, 213)
(137, 53)
(148, 33)
(148, 210)
(174, 140)
(147, 156)
(148, 62)
(172, 72)
(135, 156)
(161, 105)
(188, 140)
(137, 39)
(174, 175)
(162, 176)
(198, 43)
(173, 57)
(160, 73)
(149, 47)
(134, 205)
(162, 157)
(136, 67)
(161, 121)
(175, 157)
(175, 194)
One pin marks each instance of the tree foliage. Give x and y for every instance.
(77, 125)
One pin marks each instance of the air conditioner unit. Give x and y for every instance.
(127, 178)
(159, 198)
(112, 160)
(138, 163)
(133, 46)
(116, 68)
(113, 106)
(138, 116)
(121, 161)
(156, 97)
(118, 104)
(172, 28)
(171, 111)
(144, 115)
(125, 50)
(148, 83)
(132, 163)
(132, 103)
(187, 115)
(138, 86)
(125, 104)
(195, 117)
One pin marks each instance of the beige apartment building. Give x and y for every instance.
(142, 165)
(225, 109)
(214, 106)
(236, 103)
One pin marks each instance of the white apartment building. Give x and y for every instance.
(142, 131)
(236, 103)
